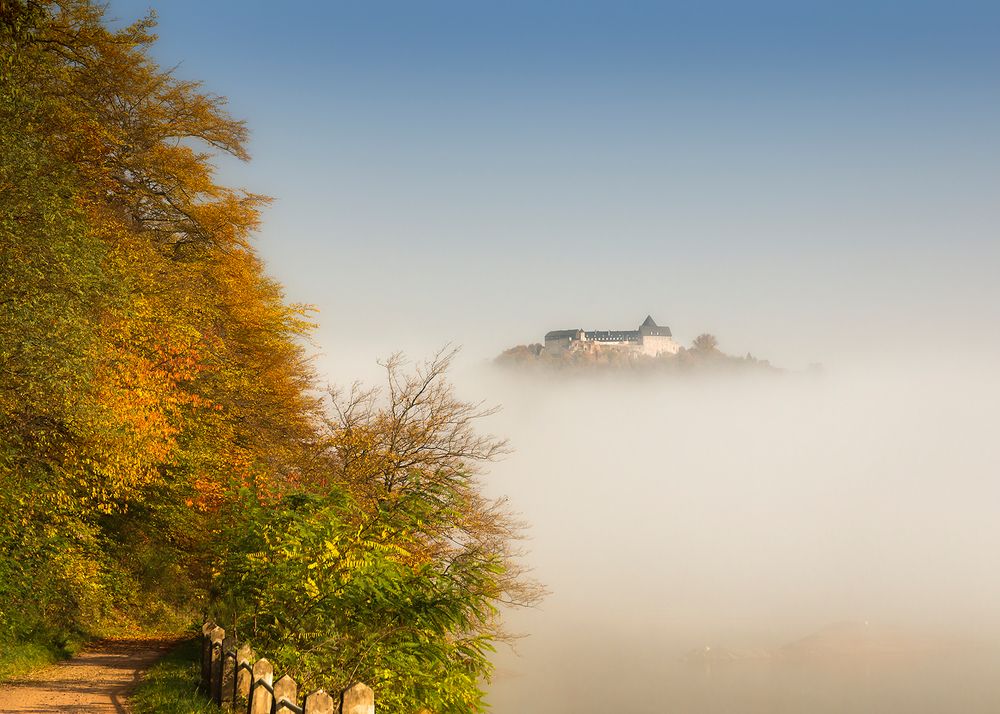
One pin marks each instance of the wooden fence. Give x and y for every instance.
(234, 680)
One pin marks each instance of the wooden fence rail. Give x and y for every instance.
(234, 680)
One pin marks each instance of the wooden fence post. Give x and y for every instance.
(244, 674)
(206, 654)
(357, 699)
(286, 692)
(319, 702)
(227, 678)
(216, 636)
(230, 679)
(262, 693)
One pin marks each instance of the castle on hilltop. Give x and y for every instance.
(650, 339)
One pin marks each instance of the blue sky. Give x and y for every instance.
(794, 177)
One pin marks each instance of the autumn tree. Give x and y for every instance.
(411, 452)
(150, 370)
(705, 343)
(406, 564)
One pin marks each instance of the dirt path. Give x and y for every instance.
(95, 681)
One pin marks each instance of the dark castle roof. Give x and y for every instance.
(648, 328)
(561, 334)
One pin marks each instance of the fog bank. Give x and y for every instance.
(673, 514)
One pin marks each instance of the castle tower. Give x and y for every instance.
(656, 339)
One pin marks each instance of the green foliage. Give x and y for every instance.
(334, 603)
(51, 288)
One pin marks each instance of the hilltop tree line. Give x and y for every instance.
(165, 452)
(702, 356)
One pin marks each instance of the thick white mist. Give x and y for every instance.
(669, 514)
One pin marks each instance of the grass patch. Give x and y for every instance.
(21, 658)
(170, 685)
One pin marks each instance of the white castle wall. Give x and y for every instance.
(653, 345)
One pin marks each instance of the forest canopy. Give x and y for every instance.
(165, 449)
